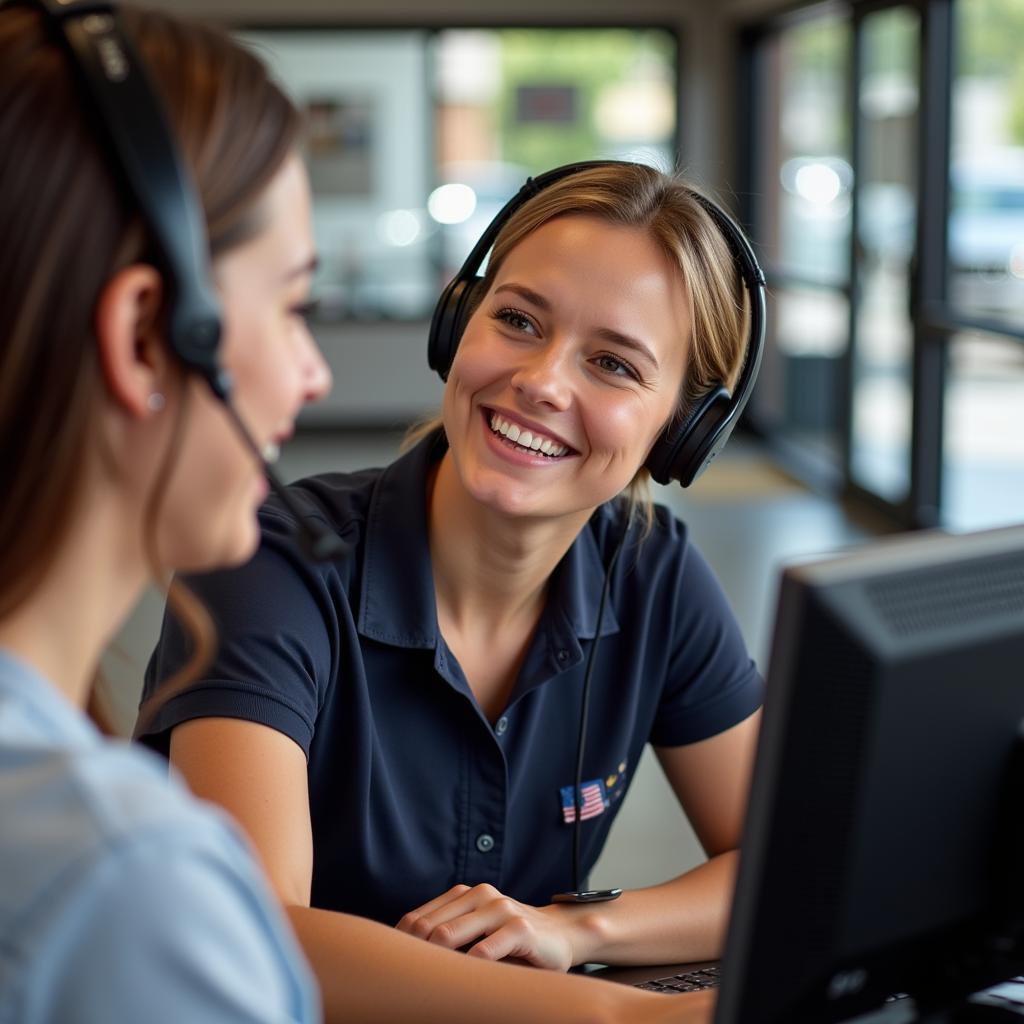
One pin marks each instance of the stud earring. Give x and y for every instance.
(155, 402)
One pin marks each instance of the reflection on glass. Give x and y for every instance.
(415, 139)
(797, 393)
(886, 216)
(514, 102)
(804, 175)
(986, 221)
(367, 116)
(983, 444)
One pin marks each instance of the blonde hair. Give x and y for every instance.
(668, 208)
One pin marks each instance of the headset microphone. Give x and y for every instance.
(317, 543)
(128, 111)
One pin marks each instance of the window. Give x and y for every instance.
(986, 216)
(416, 138)
(923, 402)
(805, 174)
(801, 221)
(514, 102)
(983, 442)
(886, 193)
(984, 433)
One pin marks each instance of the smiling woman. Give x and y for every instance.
(397, 730)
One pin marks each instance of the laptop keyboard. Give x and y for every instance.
(689, 981)
(1009, 995)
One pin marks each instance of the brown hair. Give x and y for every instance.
(637, 196)
(67, 226)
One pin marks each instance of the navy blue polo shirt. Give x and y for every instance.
(412, 789)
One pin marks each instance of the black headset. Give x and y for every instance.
(143, 152)
(687, 446)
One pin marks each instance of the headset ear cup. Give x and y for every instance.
(683, 450)
(451, 313)
(469, 299)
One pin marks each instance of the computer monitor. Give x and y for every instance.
(880, 853)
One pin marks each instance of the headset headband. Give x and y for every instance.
(143, 152)
(128, 111)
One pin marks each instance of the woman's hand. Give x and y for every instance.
(541, 936)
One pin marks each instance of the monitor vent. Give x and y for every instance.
(938, 598)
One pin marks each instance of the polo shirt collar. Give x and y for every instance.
(397, 604)
(576, 588)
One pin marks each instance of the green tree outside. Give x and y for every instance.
(990, 34)
(588, 60)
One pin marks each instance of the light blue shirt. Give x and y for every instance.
(121, 897)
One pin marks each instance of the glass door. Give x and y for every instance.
(888, 58)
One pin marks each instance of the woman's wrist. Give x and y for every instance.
(588, 929)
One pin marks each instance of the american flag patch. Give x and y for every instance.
(593, 801)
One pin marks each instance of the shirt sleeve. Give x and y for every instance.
(277, 640)
(712, 682)
(167, 930)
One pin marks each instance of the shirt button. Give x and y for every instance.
(563, 654)
(485, 842)
(501, 725)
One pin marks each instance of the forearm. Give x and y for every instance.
(369, 972)
(679, 921)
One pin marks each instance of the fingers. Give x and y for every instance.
(516, 939)
(410, 921)
(431, 920)
(506, 928)
(459, 923)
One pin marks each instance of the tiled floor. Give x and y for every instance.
(746, 516)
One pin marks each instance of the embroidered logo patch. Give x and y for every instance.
(615, 784)
(593, 801)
